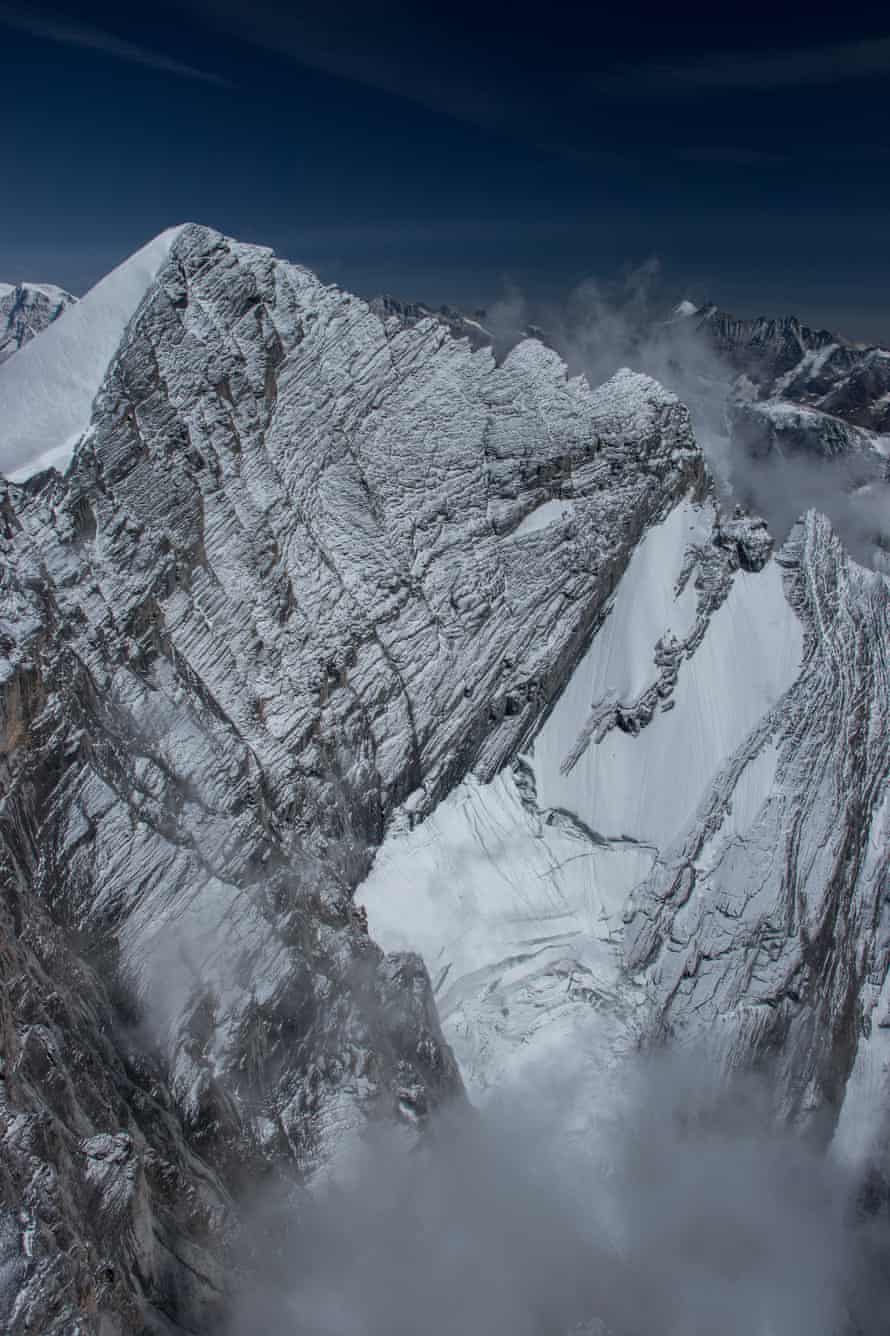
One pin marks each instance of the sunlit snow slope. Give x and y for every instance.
(47, 389)
(519, 922)
(515, 891)
(647, 785)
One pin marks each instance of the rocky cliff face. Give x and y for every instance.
(331, 622)
(764, 924)
(300, 578)
(782, 410)
(471, 327)
(693, 847)
(25, 310)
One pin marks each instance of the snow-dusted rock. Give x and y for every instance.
(285, 587)
(763, 924)
(787, 360)
(47, 390)
(695, 847)
(25, 310)
(776, 426)
(516, 892)
(408, 314)
(320, 579)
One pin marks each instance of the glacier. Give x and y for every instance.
(526, 880)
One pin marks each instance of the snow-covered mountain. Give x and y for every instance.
(785, 359)
(47, 392)
(799, 393)
(25, 310)
(336, 635)
(796, 418)
(462, 326)
(776, 389)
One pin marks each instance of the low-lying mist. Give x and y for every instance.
(681, 1209)
(629, 322)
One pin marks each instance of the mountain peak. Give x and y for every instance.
(26, 309)
(47, 389)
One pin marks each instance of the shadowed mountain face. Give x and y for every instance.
(25, 310)
(323, 580)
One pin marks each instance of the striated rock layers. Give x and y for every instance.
(25, 310)
(291, 582)
(764, 924)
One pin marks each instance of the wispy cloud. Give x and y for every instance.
(729, 154)
(67, 32)
(727, 71)
(415, 61)
(421, 60)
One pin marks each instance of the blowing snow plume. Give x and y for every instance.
(682, 1210)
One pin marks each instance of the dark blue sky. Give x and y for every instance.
(441, 152)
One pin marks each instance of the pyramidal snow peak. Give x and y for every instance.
(378, 719)
(47, 389)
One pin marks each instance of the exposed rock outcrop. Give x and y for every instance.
(25, 310)
(287, 584)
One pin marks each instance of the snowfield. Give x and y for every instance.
(515, 892)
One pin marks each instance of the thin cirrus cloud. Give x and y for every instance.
(730, 155)
(54, 28)
(721, 71)
(350, 42)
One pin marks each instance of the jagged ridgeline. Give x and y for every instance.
(25, 310)
(318, 580)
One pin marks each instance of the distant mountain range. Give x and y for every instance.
(784, 359)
